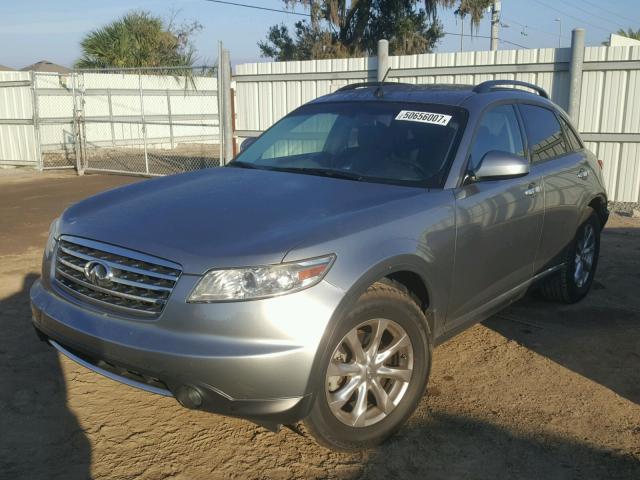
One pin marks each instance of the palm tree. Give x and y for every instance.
(474, 9)
(630, 33)
(138, 39)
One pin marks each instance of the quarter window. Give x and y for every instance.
(546, 140)
(572, 137)
(498, 130)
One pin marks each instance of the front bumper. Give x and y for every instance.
(246, 359)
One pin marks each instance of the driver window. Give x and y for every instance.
(498, 130)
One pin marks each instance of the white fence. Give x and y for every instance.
(609, 101)
(97, 120)
(18, 144)
(600, 88)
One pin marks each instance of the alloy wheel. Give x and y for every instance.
(585, 252)
(369, 372)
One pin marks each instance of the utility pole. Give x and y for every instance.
(461, 14)
(495, 24)
(559, 31)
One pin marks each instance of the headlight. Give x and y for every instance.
(250, 283)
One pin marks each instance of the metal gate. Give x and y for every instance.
(18, 141)
(153, 121)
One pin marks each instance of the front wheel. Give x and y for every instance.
(376, 374)
(580, 259)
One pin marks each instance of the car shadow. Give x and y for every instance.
(39, 436)
(442, 446)
(598, 337)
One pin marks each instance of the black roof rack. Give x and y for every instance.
(353, 86)
(489, 85)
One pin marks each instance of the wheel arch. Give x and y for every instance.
(599, 205)
(408, 270)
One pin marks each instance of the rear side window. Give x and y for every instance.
(573, 139)
(546, 140)
(498, 130)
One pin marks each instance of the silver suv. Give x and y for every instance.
(311, 278)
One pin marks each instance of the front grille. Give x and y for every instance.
(126, 281)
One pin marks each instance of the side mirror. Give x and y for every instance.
(247, 142)
(497, 164)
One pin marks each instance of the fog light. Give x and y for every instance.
(189, 397)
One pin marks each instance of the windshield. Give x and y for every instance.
(406, 144)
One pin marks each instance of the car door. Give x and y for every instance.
(562, 167)
(498, 224)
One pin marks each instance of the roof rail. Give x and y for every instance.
(489, 85)
(353, 86)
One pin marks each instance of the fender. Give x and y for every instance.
(403, 262)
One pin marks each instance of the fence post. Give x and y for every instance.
(383, 59)
(144, 127)
(575, 73)
(77, 133)
(111, 124)
(220, 96)
(226, 114)
(36, 121)
(170, 119)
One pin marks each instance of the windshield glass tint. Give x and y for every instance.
(407, 144)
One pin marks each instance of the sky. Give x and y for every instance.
(33, 30)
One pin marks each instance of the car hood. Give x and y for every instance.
(226, 217)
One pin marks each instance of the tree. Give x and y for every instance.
(474, 9)
(139, 39)
(630, 32)
(341, 28)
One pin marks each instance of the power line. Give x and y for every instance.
(484, 36)
(510, 20)
(546, 5)
(596, 15)
(256, 7)
(599, 7)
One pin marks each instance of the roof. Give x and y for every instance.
(445, 94)
(46, 66)
(621, 41)
(5, 69)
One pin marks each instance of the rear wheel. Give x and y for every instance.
(580, 259)
(376, 373)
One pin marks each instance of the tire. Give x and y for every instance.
(358, 424)
(567, 285)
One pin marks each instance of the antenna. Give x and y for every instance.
(378, 91)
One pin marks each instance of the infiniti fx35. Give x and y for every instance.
(311, 278)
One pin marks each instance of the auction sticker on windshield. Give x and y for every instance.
(424, 117)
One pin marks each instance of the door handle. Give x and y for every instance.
(532, 190)
(582, 173)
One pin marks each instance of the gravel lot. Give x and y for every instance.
(539, 391)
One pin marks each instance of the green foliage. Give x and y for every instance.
(138, 39)
(474, 9)
(630, 32)
(341, 28)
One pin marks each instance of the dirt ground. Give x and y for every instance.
(541, 391)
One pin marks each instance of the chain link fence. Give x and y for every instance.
(153, 121)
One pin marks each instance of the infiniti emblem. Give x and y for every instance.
(98, 273)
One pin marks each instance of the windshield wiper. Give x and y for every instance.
(323, 172)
